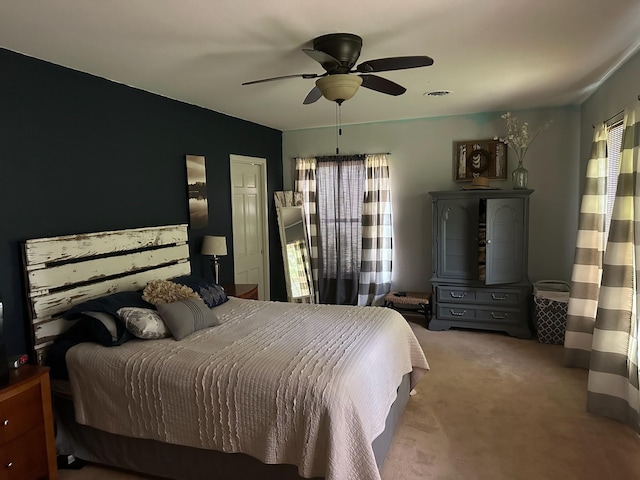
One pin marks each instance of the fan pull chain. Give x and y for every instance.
(337, 129)
(338, 126)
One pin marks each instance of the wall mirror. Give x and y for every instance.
(295, 253)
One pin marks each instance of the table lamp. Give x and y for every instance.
(214, 247)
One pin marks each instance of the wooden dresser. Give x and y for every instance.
(27, 440)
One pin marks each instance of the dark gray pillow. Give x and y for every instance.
(108, 304)
(212, 293)
(187, 316)
(109, 322)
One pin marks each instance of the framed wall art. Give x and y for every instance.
(197, 184)
(479, 158)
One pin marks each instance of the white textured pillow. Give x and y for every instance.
(144, 323)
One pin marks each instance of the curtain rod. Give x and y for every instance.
(347, 155)
(614, 116)
(610, 118)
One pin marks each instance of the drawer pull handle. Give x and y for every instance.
(10, 464)
(458, 314)
(498, 316)
(5, 423)
(495, 296)
(457, 295)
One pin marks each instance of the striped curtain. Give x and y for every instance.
(305, 183)
(602, 324)
(375, 271)
(373, 250)
(587, 268)
(613, 370)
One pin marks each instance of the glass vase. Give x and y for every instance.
(519, 177)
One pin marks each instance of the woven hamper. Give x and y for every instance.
(551, 299)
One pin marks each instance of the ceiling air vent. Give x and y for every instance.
(437, 93)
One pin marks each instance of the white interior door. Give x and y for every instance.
(250, 231)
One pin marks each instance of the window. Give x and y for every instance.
(339, 193)
(614, 144)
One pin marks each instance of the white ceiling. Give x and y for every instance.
(492, 54)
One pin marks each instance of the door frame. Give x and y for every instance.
(262, 163)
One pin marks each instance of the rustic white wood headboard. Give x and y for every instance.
(63, 271)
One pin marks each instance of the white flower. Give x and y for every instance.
(519, 138)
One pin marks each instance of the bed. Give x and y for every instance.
(273, 390)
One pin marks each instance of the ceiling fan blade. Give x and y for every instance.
(328, 62)
(313, 96)
(394, 63)
(379, 84)
(298, 75)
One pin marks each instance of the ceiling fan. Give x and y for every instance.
(338, 53)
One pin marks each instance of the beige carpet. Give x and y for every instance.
(494, 408)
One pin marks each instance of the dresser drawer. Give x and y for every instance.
(479, 314)
(455, 312)
(19, 413)
(498, 316)
(25, 457)
(499, 297)
(455, 294)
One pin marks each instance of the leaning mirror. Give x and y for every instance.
(295, 254)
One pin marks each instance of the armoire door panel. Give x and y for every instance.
(505, 226)
(458, 240)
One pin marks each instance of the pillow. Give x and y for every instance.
(108, 304)
(187, 316)
(144, 323)
(165, 291)
(97, 327)
(108, 321)
(212, 293)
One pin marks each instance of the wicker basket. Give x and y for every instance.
(551, 298)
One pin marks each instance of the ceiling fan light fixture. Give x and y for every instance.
(339, 87)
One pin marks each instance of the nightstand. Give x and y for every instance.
(27, 440)
(242, 290)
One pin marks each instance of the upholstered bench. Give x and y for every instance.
(413, 302)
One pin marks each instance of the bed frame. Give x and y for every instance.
(65, 270)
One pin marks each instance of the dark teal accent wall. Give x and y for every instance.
(79, 153)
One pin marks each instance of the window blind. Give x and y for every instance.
(614, 144)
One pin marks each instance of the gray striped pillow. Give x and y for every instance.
(186, 316)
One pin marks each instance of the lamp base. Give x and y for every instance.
(215, 268)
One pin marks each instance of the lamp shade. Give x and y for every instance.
(214, 245)
(339, 87)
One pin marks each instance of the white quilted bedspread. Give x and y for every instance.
(302, 384)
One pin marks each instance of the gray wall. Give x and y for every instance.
(421, 161)
(619, 91)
